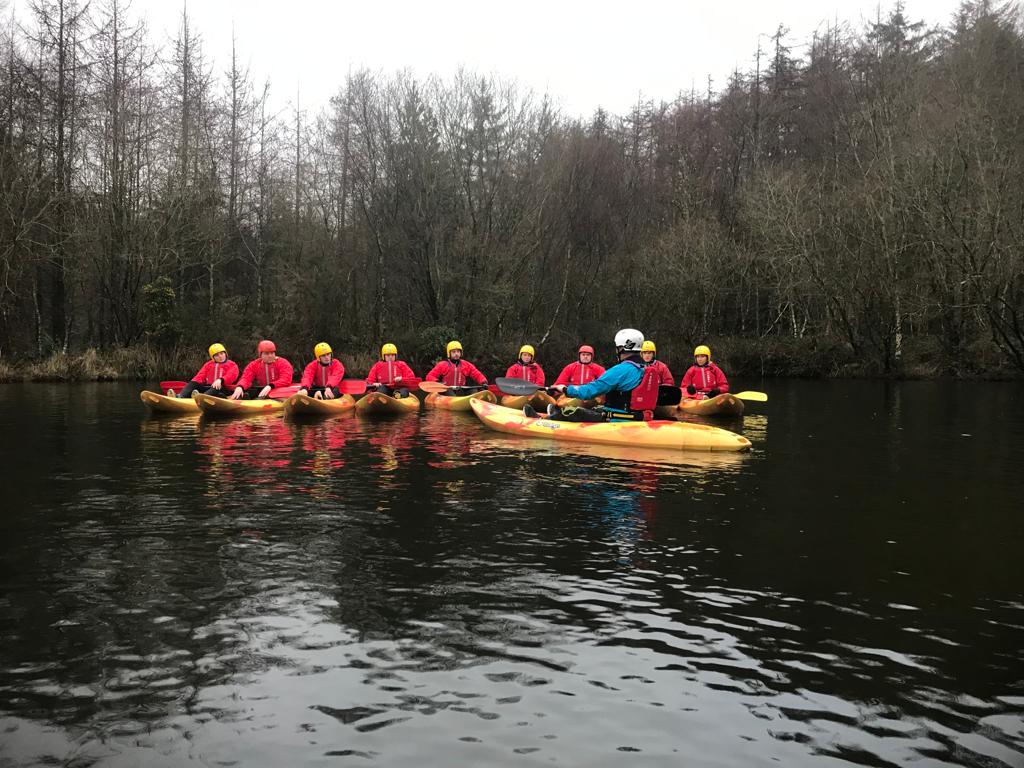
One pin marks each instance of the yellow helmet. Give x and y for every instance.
(215, 348)
(648, 346)
(702, 350)
(323, 348)
(388, 349)
(452, 345)
(527, 349)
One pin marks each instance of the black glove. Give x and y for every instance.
(714, 393)
(692, 390)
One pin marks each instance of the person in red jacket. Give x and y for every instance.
(263, 374)
(704, 378)
(583, 371)
(323, 375)
(388, 374)
(649, 354)
(526, 367)
(455, 371)
(215, 377)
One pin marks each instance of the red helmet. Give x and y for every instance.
(586, 348)
(266, 346)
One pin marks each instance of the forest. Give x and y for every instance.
(852, 205)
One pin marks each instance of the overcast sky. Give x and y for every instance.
(583, 53)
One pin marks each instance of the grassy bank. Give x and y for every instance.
(739, 357)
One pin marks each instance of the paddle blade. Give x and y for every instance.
(175, 385)
(757, 397)
(516, 386)
(669, 395)
(352, 386)
(433, 386)
(281, 393)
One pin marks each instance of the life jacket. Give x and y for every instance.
(644, 397)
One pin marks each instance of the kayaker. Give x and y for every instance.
(630, 388)
(455, 371)
(581, 372)
(214, 378)
(323, 375)
(388, 373)
(649, 353)
(263, 374)
(526, 367)
(704, 377)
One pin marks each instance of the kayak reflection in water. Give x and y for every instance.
(630, 388)
(456, 372)
(214, 378)
(388, 374)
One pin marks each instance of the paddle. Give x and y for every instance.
(667, 394)
(175, 385)
(757, 397)
(438, 386)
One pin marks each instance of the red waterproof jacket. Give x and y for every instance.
(456, 374)
(705, 378)
(209, 373)
(664, 374)
(532, 373)
(579, 374)
(259, 374)
(384, 372)
(316, 375)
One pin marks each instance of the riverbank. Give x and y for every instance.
(740, 357)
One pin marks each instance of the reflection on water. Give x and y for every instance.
(420, 591)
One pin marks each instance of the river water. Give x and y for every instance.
(421, 591)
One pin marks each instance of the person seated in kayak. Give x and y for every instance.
(455, 371)
(526, 367)
(630, 388)
(649, 353)
(704, 378)
(388, 374)
(214, 378)
(263, 374)
(581, 372)
(323, 375)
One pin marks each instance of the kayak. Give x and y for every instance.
(539, 400)
(720, 405)
(675, 435)
(220, 406)
(164, 404)
(379, 403)
(565, 400)
(304, 405)
(460, 403)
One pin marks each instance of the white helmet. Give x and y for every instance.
(629, 340)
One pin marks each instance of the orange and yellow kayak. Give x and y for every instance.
(163, 404)
(221, 406)
(459, 403)
(376, 403)
(539, 400)
(304, 405)
(720, 405)
(674, 435)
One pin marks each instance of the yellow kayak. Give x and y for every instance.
(379, 403)
(720, 405)
(675, 435)
(163, 404)
(221, 406)
(460, 403)
(565, 400)
(539, 400)
(304, 405)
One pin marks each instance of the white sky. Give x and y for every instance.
(583, 53)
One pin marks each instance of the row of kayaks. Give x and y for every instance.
(508, 417)
(371, 403)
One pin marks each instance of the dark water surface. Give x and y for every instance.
(423, 592)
